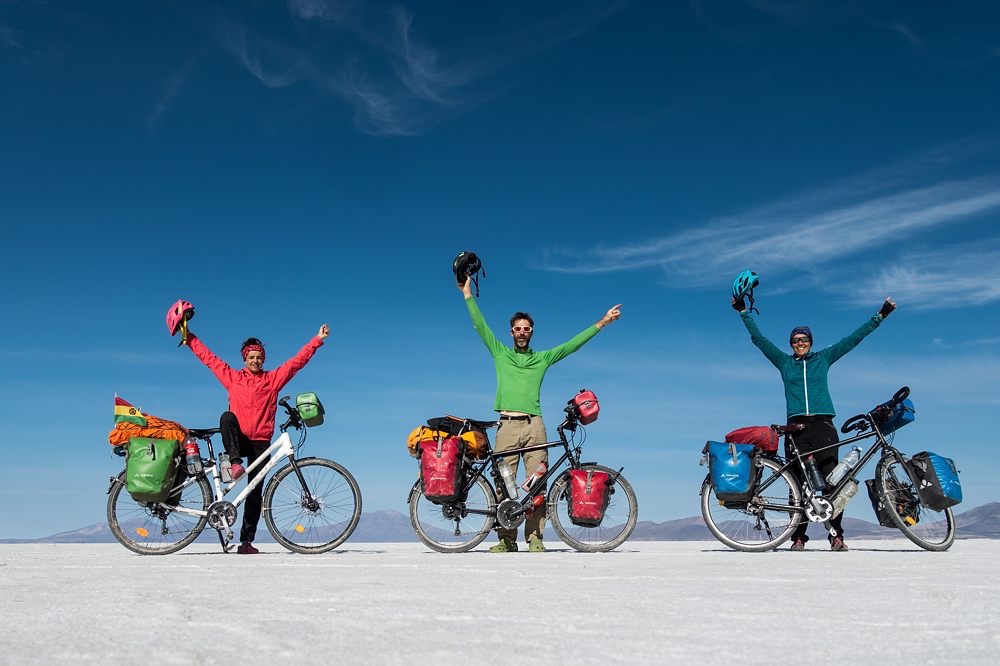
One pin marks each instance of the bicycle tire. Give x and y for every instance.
(735, 524)
(158, 529)
(320, 528)
(933, 530)
(436, 524)
(619, 518)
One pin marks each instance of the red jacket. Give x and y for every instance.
(253, 398)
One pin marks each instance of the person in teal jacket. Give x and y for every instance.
(520, 371)
(807, 397)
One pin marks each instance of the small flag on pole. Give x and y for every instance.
(126, 412)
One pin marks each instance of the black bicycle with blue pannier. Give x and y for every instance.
(751, 501)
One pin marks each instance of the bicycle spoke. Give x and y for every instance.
(450, 527)
(157, 529)
(931, 530)
(619, 518)
(316, 521)
(759, 524)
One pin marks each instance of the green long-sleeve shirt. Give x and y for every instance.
(806, 389)
(520, 373)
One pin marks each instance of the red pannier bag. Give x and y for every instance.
(586, 406)
(441, 468)
(589, 494)
(762, 437)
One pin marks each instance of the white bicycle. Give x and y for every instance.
(311, 505)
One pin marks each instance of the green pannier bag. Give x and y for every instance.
(151, 467)
(310, 408)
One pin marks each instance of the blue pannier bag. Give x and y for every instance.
(936, 478)
(732, 470)
(902, 414)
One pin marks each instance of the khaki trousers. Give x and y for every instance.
(514, 435)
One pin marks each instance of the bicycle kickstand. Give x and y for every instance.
(227, 546)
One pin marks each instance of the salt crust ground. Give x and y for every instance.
(646, 603)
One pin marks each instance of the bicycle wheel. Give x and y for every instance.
(931, 530)
(754, 526)
(158, 528)
(617, 525)
(450, 527)
(317, 523)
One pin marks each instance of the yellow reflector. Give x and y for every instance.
(909, 520)
(300, 529)
(142, 531)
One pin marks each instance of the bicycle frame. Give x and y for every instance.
(479, 468)
(880, 444)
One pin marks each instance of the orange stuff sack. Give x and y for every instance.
(155, 428)
(476, 445)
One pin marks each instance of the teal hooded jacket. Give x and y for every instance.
(806, 389)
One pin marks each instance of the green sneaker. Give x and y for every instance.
(505, 546)
(535, 544)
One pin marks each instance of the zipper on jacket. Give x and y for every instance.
(805, 384)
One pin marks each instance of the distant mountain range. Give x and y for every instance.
(393, 526)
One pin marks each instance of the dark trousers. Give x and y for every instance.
(819, 432)
(240, 447)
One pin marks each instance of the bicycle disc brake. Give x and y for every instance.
(222, 515)
(510, 514)
(819, 509)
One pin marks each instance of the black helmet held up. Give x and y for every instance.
(467, 265)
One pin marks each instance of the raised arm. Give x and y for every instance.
(479, 321)
(837, 350)
(768, 348)
(219, 368)
(284, 372)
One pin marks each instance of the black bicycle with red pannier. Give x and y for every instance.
(459, 499)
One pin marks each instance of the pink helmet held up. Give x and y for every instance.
(178, 313)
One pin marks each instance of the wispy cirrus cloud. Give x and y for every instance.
(907, 32)
(947, 277)
(820, 227)
(171, 87)
(816, 231)
(320, 10)
(7, 37)
(396, 80)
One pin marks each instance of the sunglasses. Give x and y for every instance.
(800, 341)
(518, 329)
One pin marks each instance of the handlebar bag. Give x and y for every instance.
(907, 503)
(902, 414)
(151, 467)
(589, 494)
(441, 468)
(762, 437)
(732, 470)
(310, 409)
(936, 478)
(586, 406)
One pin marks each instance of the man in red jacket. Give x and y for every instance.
(248, 426)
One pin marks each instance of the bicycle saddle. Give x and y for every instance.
(791, 427)
(483, 425)
(202, 434)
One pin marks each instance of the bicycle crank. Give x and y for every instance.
(819, 509)
(510, 514)
(222, 515)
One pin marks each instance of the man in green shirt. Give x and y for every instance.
(520, 371)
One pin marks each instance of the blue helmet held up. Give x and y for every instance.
(743, 287)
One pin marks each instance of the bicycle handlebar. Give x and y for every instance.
(879, 413)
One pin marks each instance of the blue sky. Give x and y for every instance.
(285, 164)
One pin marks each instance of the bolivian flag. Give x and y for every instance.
(126, 412)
